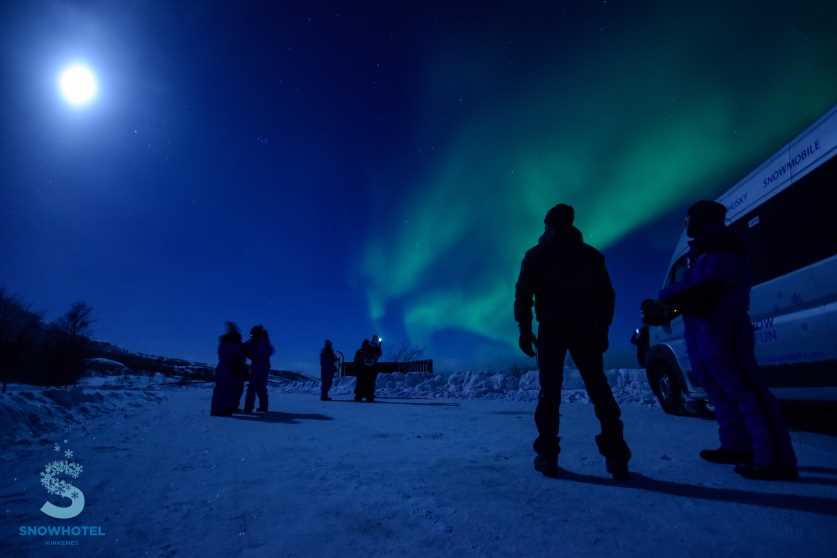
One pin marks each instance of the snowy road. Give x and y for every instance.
(410, 478)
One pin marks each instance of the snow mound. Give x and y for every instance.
(105, 365)
(29, 413)
(629, 386)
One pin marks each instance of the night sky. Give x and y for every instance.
(341, 170)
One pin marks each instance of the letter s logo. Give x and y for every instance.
(59, 487)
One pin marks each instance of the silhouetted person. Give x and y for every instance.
(574, 302)
(328, 367)
(229, 373)
(258, 349)
(366, 359)
(360, 370)
(714, 298)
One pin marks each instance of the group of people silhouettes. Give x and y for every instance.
(574, 301)
(568, 283)
(363, 366)
(232, 371)
(365, 361)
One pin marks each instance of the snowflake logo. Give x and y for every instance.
(56, 486)
(50, 480)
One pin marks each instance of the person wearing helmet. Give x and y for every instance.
(574, 302)
(366, 359)
(259, 350)
(714, 298)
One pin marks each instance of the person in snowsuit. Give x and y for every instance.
(360, 370)
(366, 359)
(714, 298)
(229, 373)
(259, 350)
(574, 303)
(328, 367)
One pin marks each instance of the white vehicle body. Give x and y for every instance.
(785, 209)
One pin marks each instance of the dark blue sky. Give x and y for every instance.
(263, 163)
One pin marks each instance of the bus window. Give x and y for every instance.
(794, 228)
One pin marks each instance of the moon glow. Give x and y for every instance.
(78, 85)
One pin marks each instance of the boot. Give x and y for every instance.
(773, 472)
(616, 454)
(726, 456)
(546, 455)
(618, 470)
(547, 465)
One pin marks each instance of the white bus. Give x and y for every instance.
(786, 209)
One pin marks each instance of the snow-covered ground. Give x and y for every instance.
(400, 477)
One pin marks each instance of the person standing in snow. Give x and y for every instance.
(229, 373)
(259, 350)
(574, 302)
(714, 298)
(366, 359)
(375, 352)
(328, 367)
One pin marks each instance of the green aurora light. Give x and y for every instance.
(625, 126)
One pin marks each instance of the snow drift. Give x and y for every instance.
(629, 385)
(29, 413)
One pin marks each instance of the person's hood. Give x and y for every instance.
(561, 237)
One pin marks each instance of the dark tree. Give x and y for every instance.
(77, 321)
(21, 332)
(36, 353)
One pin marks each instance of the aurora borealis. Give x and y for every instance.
(626, 119)
(333, 171)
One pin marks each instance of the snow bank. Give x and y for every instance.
(629, 385)
(29, 413)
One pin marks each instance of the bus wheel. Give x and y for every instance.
(667, 385)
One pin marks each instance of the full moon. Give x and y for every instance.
(78, 85)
